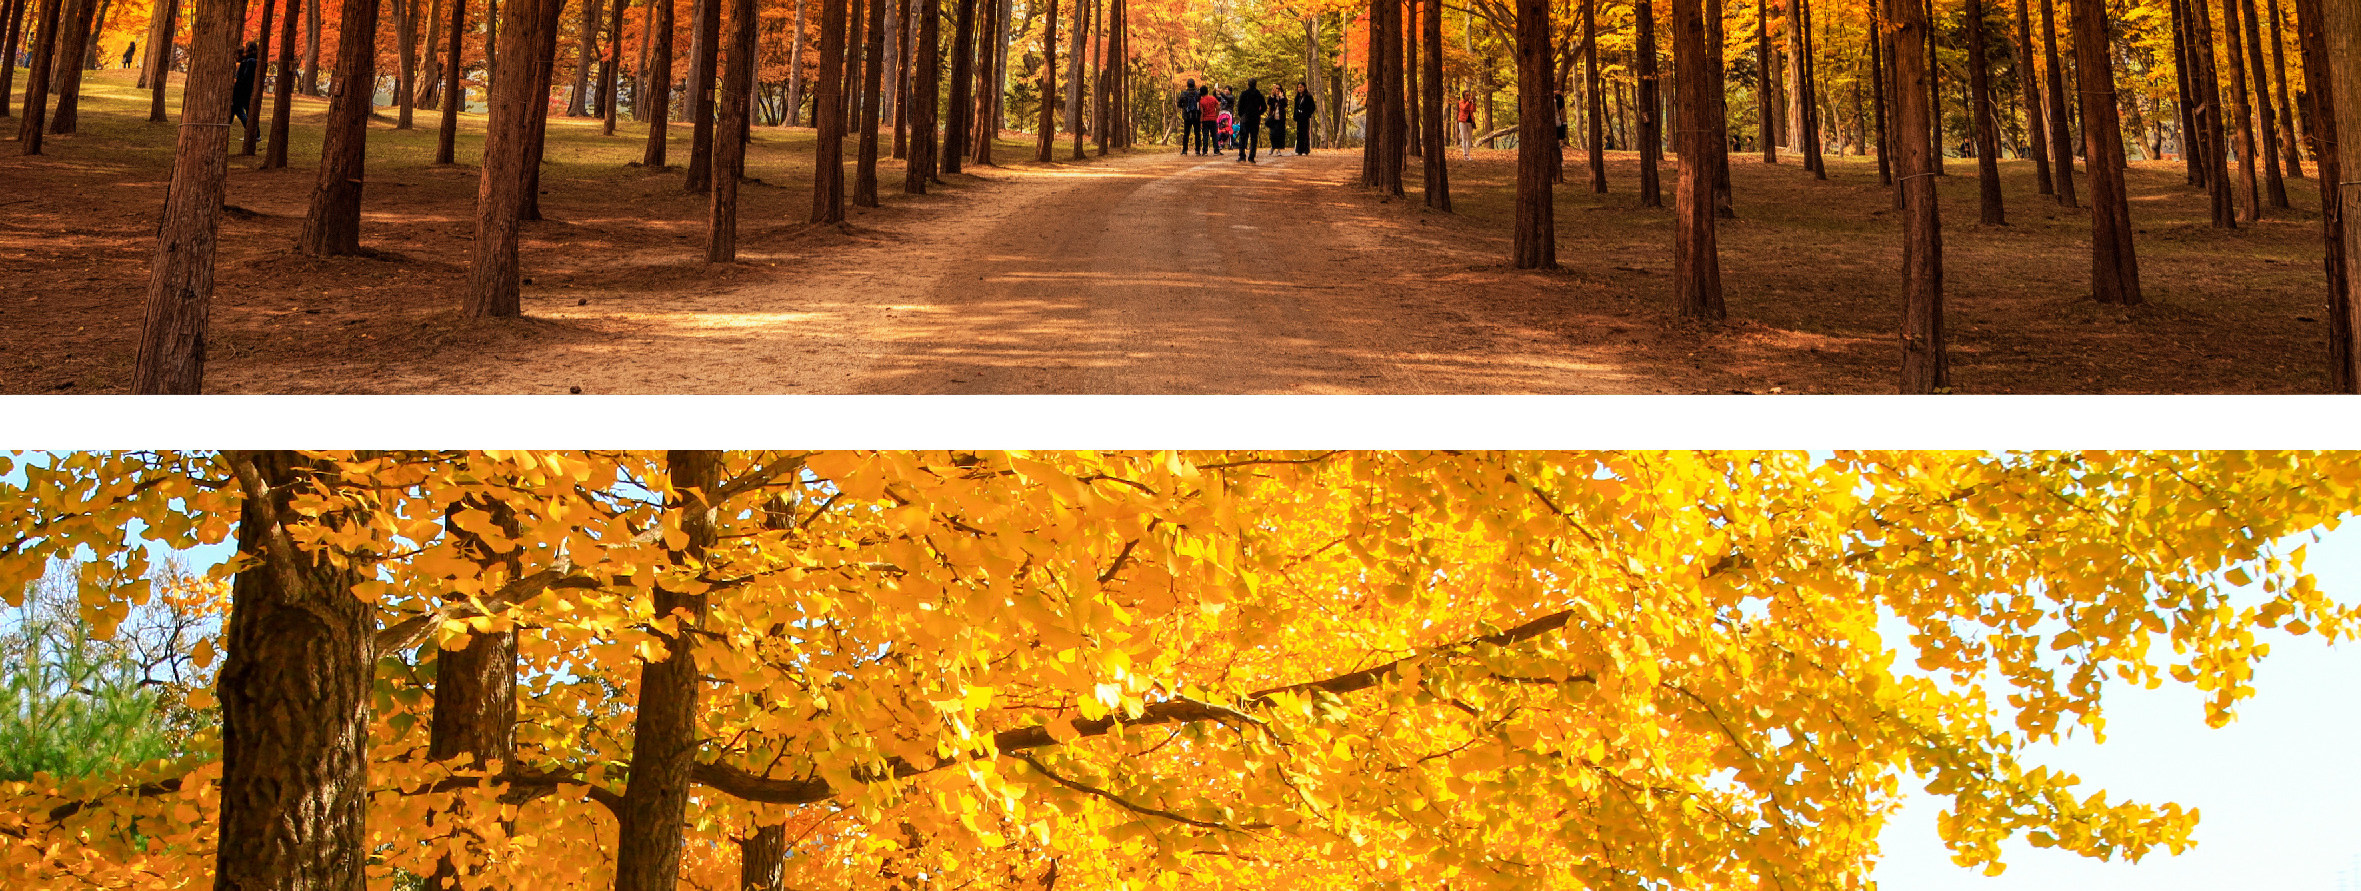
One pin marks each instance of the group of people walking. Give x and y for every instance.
(1212, 119)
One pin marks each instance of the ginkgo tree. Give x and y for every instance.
(1336, 670)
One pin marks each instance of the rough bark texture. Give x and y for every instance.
(1075, 79)
(2061, 140)
(406, 44)
(762, 858)
(729, 135)
(1651, 106)
(2328, 32)
(988, 64)
(657, 84)
(963, 77)
(1049, 88)
(2274, 184)
(2115, 269)
(1881, 66)
(541, 65)
(585, 50)
(1395, 147)
(2209, 117)
(703, 52)
(1594, 103)
(2289, 129)
(1807, 99)
(493, 279)
(1987, 130)
(1697, 273)
(474, 720)
(2241, 112)
(872, 90)
(252, 139)
(73, 42)
(1535, 245)
(2181, 87)
(2029, 80)
(1717, 115)
(430, 78)
(1925, 367)
(1766, 102)
(294, 689)
(925, 88)
(166, 17)
(12, 30)
(664, 727)
(1438, 173)
(274, 153)
(309, 82)
(828, 114)
(36, 107)
(333, 226)
(611, 66)
(171, 358)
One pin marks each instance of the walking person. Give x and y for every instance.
(242, 93)
(1467, 125)
(130, 49)
(1251, 105)
(1276, 120)
(1208, 117)
(1304, 109)
(1560, 100)
(1188, 110)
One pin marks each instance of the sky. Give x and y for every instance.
(2278, 790)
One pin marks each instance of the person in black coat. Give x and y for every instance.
(1304, 108)
(1251, 105)
(1188, 110)
(1276, 120)
(242, 93)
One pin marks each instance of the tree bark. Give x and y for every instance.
(925, 91)
(310, 82)
(171, 11)
(2267, 145)
(1438, 173)
(1881, 61)
(1395, 151)
(729, 135)
(1925, 364)
(1697, 273)
(2328, 94)
(981, 130)
(73, 39)
(1411, 72)
(657, 85)
(2288, 128)
(795, 70)
(664, 727)
(828, 114)
(12, 19)
(703, 53)
(2061, 141)
(474, 719)
(262, 55)
(2209, 117)
(872, 89)
(454, 93)
(1651, 127)
(1049, 86)
(406, 42)
(2241, 111)
(274, 154)
(431, 77)
(1717, 117)
(956, 111)
(2191, 159)
(1535, 245)
(1075, 77)
(1807, 99)
(762, 859)
(906, 35)
(493, 278)
(1594, 104)
(2029, 80)
(2115, 269)
(611, 66)
(333, 226)
(294, 686)
(585, 50)
(1987, 130)
(171, 357)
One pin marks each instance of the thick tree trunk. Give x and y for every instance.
(2061, 142)
(1651, 127)
(171, 358)
(2328, 97)
(729, 135)
(980, 123)
(1697, 140)
(872, 90)
(253, 135)
(274, 154)
(1987, 130)
(446, 139)
(664, 726)
(2115, 269)
(1925, 365)
(925, 90)
(828, 114)
(406, 42)
(2241, 111)
(1535, 245)
(1373, 101)
(493, 279)
(2210, 126)
(656, 83)
(611, 67)
(333, 226)
(703, 52)
(2267, 145)
(73, 39)
(170, 11)
(474, 722)
(1049, 88)
(310, 82)
(1717, 117)
(963, 78)
(2029, 80)
(431, 77)
(295, 683)
(1438, 173)
(2288, 128)
(151, 38)
(1594, 102)
(1807, 99)
(762, 859)
(585, 51)
(641, 89)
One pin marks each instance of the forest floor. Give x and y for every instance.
(1146, 272)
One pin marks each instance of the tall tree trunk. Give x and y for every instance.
(1396, 130)
(828, 115)
(795, 70)
(1535, 243)
(963, 78)
(925, 91)
(983, 131)
(2209, 124)
(890, 79)
(493, 279)
(762, 859)
(474, 719)
(1075, 77)
(2288, 128)
(333, 227)
(2115, 269)
(2241, 111)
(611, 66)
(1651, 135)
(2191, 159)
(906, 34)
(1925, 364)
(1881, 62)
(729, 135)
(1791, 13)
(1438, 173)
(872, 90)
(2266, 145)
(253, 135)
(1410, 76)
(1373, 102)
(1934, 73)
(406, 42)
(1718, 115)
(274, 154)
(1808, 99)
(1766, 91)
(2061, 143)
(446, 139)
(1987, 131)
(2328, 98)
(170, 11)
(2029, 80)
(657, 84)
(12, 19)
(1049, 86)
(1594, 104)
(703, 52)
(10, 13)
(295, 681)
(171, 358)
(664, 726)
(73, 39)
(585, 50)
(1697, 273)
(310, 82)
(541, 65)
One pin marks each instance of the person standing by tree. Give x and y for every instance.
(129, 50)
(1305, 108)
(1276, 120)
(1467, 125)
(1208, 117)
(1188, 110)
(242, 93)
(1251, 105)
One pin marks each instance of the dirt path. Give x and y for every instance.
(1148, 273)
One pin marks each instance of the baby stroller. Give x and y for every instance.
(1222, 132)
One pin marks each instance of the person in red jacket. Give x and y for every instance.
(1208, 117)
(1467, 125)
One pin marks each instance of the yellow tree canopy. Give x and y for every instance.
(1328, 670)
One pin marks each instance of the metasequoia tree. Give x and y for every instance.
(165, 18)
(493, 280)
(171, 357)
(1438, 171)
(705, 28)
(1049, 89)
(332, 228)
(828, 114)
(251, 139)
(2241, 110)
(2275, 185)
(2344, 319)
(454, 94)
(1925, 364)
(65, 80)
(1594, 102)
(959, 107)
(2210, 131)
(1651, 104)
(2029, 82)
(1534, 244)
(656, 84)
(1699, 137)
(2115, 268)
(1509, 670)
(925, 90)
(36, 107)
(1987, 131)
(2061, 142)
(729, 137)
(872, 95)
